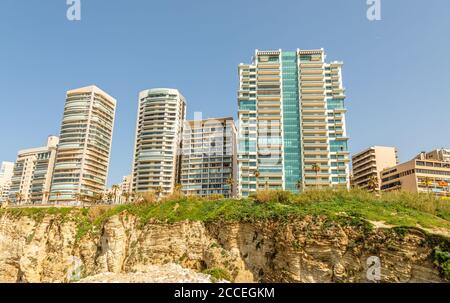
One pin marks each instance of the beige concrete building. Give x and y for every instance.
(369, 163)
(118, 191)
(33, 173)
(83, 154)
(442, 154)
(6, 173)
(160, 117)
(126, 184)
(420, 175)
(209, 158)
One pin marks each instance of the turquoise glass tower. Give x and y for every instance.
(292, 129)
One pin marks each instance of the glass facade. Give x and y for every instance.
(291, 121)
(296, 124)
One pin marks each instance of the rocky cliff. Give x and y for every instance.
(312, 249)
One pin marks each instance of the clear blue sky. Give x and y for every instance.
(397, 70)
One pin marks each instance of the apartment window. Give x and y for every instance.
(433, 172)
(335, 104)
(305, 57)
(338, 146)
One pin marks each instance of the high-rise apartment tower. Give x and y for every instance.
(208, 164)
(33, 172)
(292, 128)
(83, 154)
(160, 117)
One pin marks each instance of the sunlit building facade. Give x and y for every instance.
(156, 162)
(125, 185)
(6, 173)
(32, 174)
(367, 165)
(442, 154)
(419, 175)
(292, 128)
(83, 154)
(208, 165)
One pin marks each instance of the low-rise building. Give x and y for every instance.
(442, 154)
(33, 173)
(419, 175)
(126, 184)
(6, 173)
(368, 164)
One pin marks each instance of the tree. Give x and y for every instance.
(316, 168)
(373, 183)
(133, 196)
(178, 187)
(427, 182)
(115, 190)
(19, 197)
(177, 192)
(158, 191)
(109, 196)
(97, 198)
(256, 173)
(137, 197)
(299, 185)
(6, 203)
(126, 196)
(230, 182)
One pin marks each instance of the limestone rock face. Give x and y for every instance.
(168, 273)
(307, 250)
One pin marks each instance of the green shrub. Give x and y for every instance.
(149, 197)
(283, 197)
(218, 274)
(215, 197)
(276, 196)
(442, 261)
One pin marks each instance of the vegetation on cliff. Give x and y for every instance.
(402, 211)
(353, 207)
(442, 259)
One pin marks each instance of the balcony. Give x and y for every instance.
(315, 152)
(312, 160)
(318, 77)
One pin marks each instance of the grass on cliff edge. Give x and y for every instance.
(399, 209)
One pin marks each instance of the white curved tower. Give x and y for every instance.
(160, 117)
